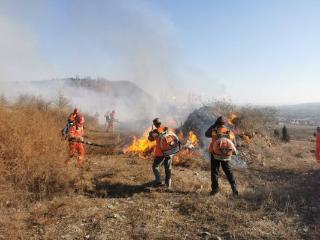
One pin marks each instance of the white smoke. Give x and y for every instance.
(114, 39)
(20, 58)
(139, 35)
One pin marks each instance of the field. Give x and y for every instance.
(300, 132)
(112, 197)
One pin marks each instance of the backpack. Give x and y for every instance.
(65, 130)
(223, 146)
(169, 143)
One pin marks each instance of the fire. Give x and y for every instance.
(193, 139)
(143, 147)
(140, 145)
(231, 118)
(188, 150)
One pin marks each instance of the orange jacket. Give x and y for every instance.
(76, 132)
(214, 146)
(157, 150)
(72, 117)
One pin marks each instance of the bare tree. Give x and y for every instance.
(62, 101)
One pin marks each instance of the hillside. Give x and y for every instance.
(307, 113)
(91, 95)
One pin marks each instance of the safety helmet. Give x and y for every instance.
(76, 111)
(221, 121)
(156, 122)
(80, 120)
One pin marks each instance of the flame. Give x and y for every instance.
(189, 150)
(184, 157)
(231, 118)
(193, 139)
(141, 145)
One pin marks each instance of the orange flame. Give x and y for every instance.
(140, 145)
(231, 119)
(188, 151)
(193, 139)
(143, 147)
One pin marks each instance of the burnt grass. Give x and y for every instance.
(113, 198)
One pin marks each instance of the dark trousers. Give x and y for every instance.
(157, 162)
(215, 165)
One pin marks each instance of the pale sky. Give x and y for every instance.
(249, 51)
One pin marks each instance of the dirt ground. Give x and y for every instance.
(113, 199)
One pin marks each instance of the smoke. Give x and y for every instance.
(140, 36)
(20, 58)
(115, 39)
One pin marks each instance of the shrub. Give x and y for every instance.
(31, 150)
(285, 134)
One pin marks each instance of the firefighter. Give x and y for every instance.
(107, 117)
(110, 120)
(73, 115)
(70, 122)
(221, 149)
(160, 159)
(75, 137)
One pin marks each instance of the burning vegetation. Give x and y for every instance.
(191, 135)
(140, 146)
(143, 148)
(41, 199)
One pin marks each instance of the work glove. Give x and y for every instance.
(151, 137)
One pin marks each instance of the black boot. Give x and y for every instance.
(214, 191)
(235, 190)
(157, 184)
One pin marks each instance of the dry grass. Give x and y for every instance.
(278, 191)
(119, 204)
(32, 153)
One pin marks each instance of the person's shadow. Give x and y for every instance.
(105, 189)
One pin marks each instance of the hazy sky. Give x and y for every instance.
(259, 52)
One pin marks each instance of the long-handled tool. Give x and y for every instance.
(92, 144)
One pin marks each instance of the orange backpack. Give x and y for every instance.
(223, 145)
(169, 143)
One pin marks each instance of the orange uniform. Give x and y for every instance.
(157, 150)
(160, 158)
(72, 117)
(76, 134)
(216, 145)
